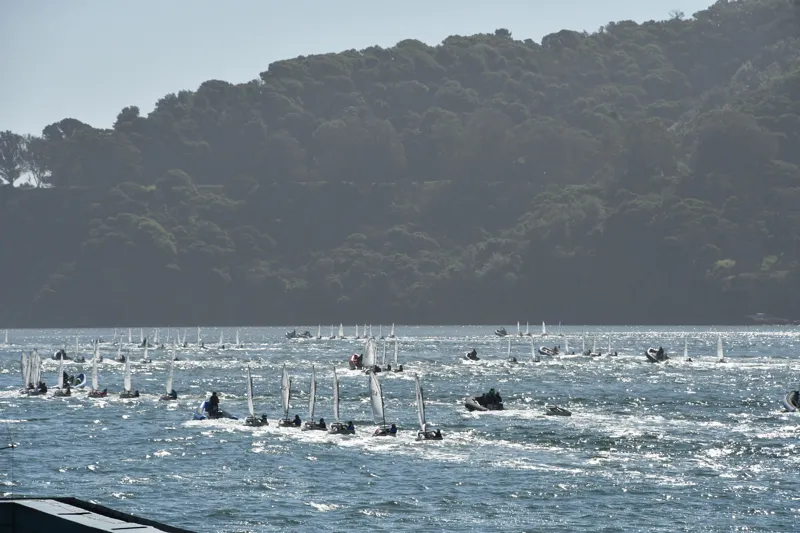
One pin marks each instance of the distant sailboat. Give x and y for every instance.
(95, 392)
(319, 332)
(357, 335)
(341, 331)
(252, 419)
(130, 337)
(527, 329)
(391, 333)
(534, 353)
(238, 343)
(720, 354)
(685, 349)
(145, 357)
(199, 342)
(60, 390)
(6, 339)
(544, 329)
(519, 331)
(397, 367)
(221, 344)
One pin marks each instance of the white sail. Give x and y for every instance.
(312, 394)
(332, 337)
(36, 368)
(319, 331)
(370, 330)
(171, 370)
(583, 344)
(119, 351)
(609, 345)
(594, 345)
(198, 335)
(370, 354)
(95, 380)
(357, 335)
(250, 394)
(341, 331)
(237, 338)
(25, 367)
(127, 380)
(220, 338)
(420, 405)
(508, 350)
(141, 335)
(685, 348)
(76, 347)
(286, 389)
(6, 341)
(534, 353)
(144, 357)
(130, 337)
(391, 334)
(383, 363)
(566, 345)
(376, 398)
(169, 331)
(185, 333)
(60, 372)
(155, 336)
(380, 330)
(335, 395)
(720, 354)
(395, 353)
(519, 332)
(544, 329)
(527, 328)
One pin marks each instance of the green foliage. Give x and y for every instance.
(644, 172)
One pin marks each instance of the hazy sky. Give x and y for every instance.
(87, 59)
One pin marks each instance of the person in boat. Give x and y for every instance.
(185, 344)
(438, 433)
(473, 354)
(213, 404)
(393, 430)
(173, 394)
(297, 422)
(350, 427)
(202, 345)
(322, 423)
(42, 387)
(135, 394)
(660, 353)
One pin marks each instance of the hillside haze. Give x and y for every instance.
(645, 173)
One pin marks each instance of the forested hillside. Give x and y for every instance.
(640, 173)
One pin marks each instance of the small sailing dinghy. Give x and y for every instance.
(127, 391)
(312, 400)
(31, 366)
(337, 427)
(202, 413)
(63, 388)
(391, 333)
(171, 394)
(96, 392)
(424, 433)
(720, 353)
(121, 358)
(378, 414)
(286, 391)
(252, 420)
(145, 358)
(397, 367)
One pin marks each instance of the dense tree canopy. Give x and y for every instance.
(640, 173)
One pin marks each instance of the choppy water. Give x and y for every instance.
(670, 447)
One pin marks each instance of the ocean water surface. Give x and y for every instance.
(678, 446)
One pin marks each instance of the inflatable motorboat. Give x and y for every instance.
(544, 350)
(791, 402)
(337, 428)
(656, 356)
(501, 332)
(254, 421)
(554, 410)
(61, 354)
(294, 335)
(201, 413)
(479, 403)
(429, 435)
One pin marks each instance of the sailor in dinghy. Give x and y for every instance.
(424, 433)
(337, 427)
(252, 420)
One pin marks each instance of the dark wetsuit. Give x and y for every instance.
(213, 404)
